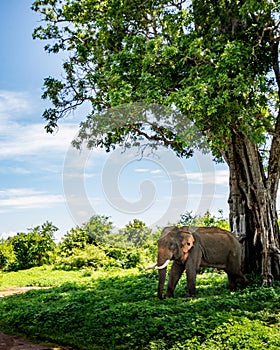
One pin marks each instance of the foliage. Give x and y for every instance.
(34, 248)
(119, 309)
(207, 219)
(136, 232)
(243, 334)
(7, 255)
(76, 238)
(95, 245)
(183, 74)
(209, 60)
(96, 230)
(101, 257)
(90, 256)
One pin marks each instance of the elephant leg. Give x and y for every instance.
(191, 282)
(232, 281)
(235, 280)
(174, 276)
(192, 266)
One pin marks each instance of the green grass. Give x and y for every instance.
(119, 309)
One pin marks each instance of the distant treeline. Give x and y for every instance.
(92, 245)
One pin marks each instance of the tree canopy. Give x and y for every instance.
(154, 69)
(210, 59)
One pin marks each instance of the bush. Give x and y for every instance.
(76, 238)
(95, 231)
(7, 255)
(26, 250)
(123, 257)
(91, 256)
(94, 245)
(98, 257)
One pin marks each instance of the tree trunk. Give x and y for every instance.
(253, 216)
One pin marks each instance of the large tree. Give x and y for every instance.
(214, 63)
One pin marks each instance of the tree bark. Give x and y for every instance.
(252, 202)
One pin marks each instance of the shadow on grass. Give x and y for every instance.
(124, 312)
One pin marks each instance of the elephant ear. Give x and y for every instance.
(187, 242)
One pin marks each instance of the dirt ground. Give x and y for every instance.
(10, 342)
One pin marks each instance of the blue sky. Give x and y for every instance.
(43, 178)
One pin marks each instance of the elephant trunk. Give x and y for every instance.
(164, 257)
(161, 280)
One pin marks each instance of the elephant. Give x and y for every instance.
(193, 247)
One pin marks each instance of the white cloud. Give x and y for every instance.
(146, 170)
(15, 170)
(31, 139)
(222, 177)
(25, 198)
(157, 171)
(19, 135)
(217, 177)
(17, 192)
(142, 170)
(12, 102)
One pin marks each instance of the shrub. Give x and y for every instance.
(95, 231)
(76, 238)
(101, 256)
(124, 257)
(91, 256)
(31, 249)
(7, 255)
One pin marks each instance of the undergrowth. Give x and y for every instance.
(118, 309)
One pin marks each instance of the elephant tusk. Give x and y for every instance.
(151, 267)
(164, 265)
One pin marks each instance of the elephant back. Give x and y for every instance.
(215, 244)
